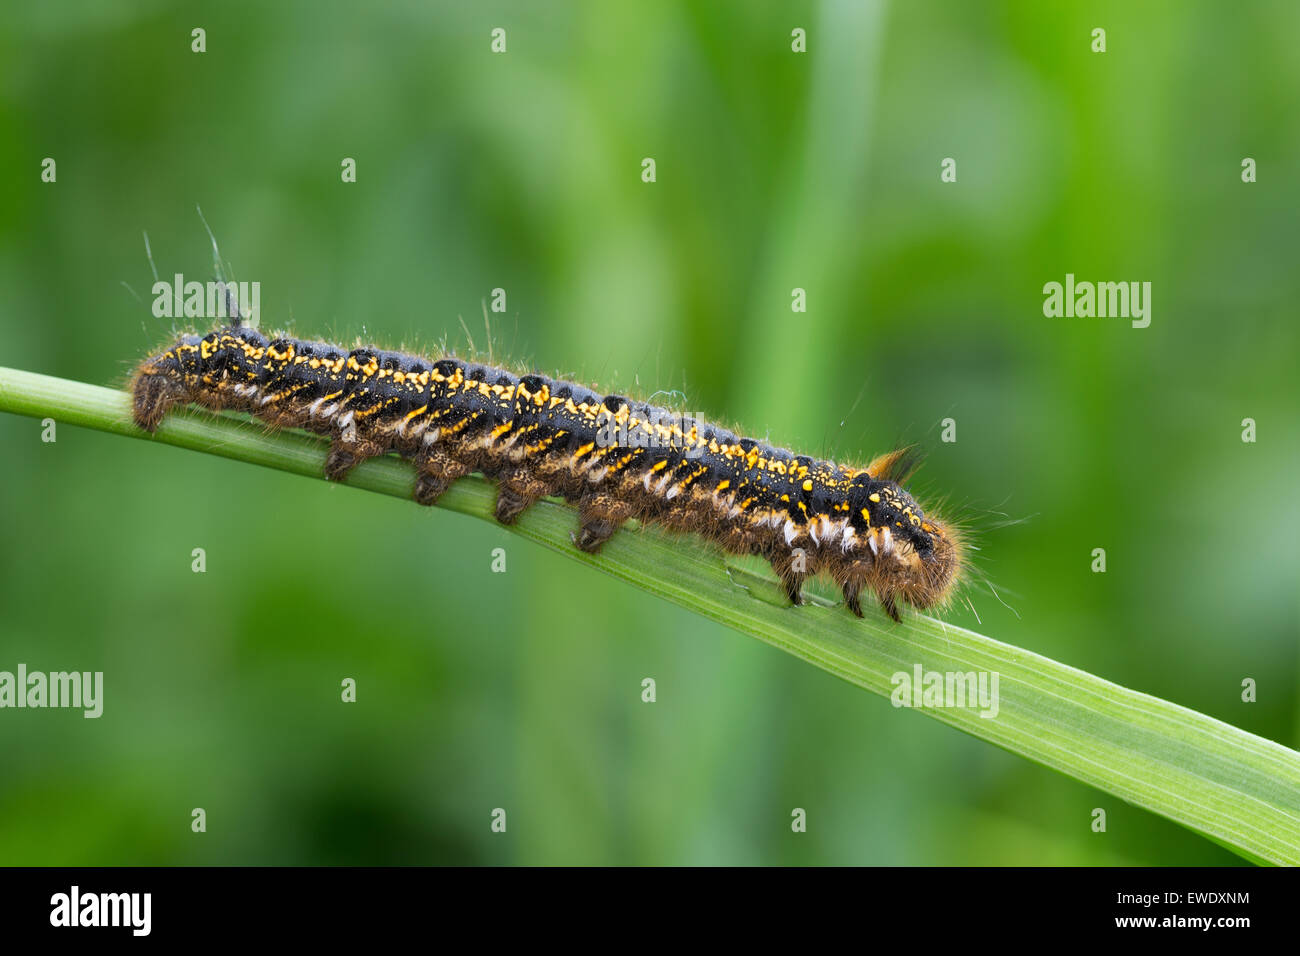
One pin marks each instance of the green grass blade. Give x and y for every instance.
(1235, 788)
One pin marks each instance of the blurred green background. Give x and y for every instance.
(523, 171)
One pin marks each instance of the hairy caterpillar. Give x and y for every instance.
(614, 458)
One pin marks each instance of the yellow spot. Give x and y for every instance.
(807, 485)
(723, 485)
(875, 498)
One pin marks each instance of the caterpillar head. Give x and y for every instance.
(903, 552)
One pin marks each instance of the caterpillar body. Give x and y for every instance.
(613, 457)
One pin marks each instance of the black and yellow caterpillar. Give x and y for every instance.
(613, 457)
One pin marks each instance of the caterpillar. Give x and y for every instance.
(613, 457)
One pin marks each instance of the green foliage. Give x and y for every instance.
(522, 171)
(1234, 787)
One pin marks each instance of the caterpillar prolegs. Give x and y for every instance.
(613, 457)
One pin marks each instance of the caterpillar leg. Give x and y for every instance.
(792, 570)
(599, 516)
(859, 576)
(434, 473)
(516, 493)
(853, 596)
(344, 456)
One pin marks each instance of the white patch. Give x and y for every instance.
(673, 492)
(812, 533)
(346, 420)
(850, 536)
(431, 436)
(887, 540)
(789, 532)
(872, 542)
